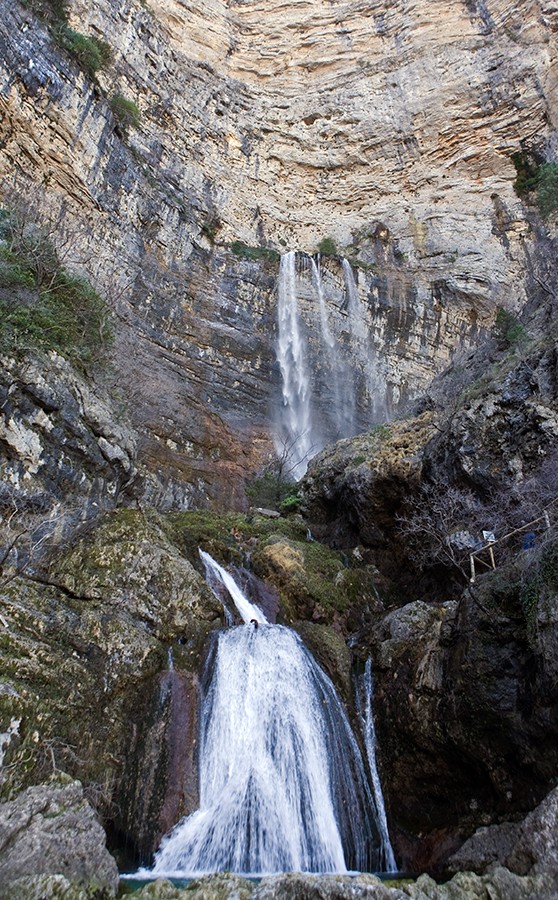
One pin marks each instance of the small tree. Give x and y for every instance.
(507, 328)
(439, 525)
(126, 112)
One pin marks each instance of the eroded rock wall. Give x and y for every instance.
(387, 128)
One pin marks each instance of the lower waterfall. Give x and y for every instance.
(283, 785)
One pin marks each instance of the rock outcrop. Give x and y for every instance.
(465, 676)
(51, 830)
(500, 884)
(85, 674)
(527, 846)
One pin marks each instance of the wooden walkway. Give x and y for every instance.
(488, 546)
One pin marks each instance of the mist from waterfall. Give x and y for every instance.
(331, 382)
(283, 784)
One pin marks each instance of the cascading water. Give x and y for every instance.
(283, 786)
(330, 382)
(296, 431)
(366, 360)
(365, 694)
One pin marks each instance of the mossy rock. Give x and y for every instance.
(129, 562)
(310, 578)
(330, 649)
(229, 538)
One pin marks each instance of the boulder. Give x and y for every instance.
(50, 829)
(527, 846)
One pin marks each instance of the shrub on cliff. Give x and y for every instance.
(328, 247)
(42, 304)
(547, 189)
(538, 179)
(90, 53)
(126, 112)
(507, 328)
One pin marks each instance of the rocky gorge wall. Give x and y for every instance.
(385, 128)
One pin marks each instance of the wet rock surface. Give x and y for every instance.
(85, 657)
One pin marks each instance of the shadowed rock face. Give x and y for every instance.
(161, 767)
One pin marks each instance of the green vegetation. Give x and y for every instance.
(291, 503)
(540, 179)
(547, 189)
(508, 329)
(526, 173)
(268, 490)
(42, 305)
(328, 247)
(90, 53)
(244, 251)
(224, 536)
(126, 112)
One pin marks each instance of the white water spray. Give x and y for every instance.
(283, 786)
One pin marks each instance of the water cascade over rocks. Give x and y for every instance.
(283, 785)
(331, 382)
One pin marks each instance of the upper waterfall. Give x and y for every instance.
(331, 382)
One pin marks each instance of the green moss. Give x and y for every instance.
(308, 575)
(227, 537)
(244, 251)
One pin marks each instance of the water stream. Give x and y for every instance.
(283, 785)
(365, 694)
(331, 386)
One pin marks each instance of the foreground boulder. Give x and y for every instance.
(530, 846)
(51, 829)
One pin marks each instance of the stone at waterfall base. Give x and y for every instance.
(52, 845)
(498, 884)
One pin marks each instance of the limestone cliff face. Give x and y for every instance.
(385, 126)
